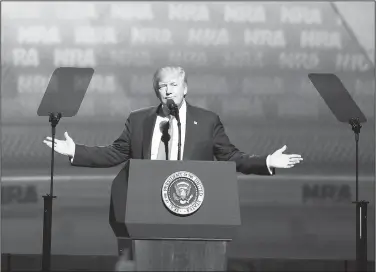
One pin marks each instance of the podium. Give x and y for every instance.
(180, 215)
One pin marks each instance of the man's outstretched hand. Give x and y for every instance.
(280, 160)
(66, 147)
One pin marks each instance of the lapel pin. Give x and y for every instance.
(194, 122)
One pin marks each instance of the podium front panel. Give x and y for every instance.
(147, 217)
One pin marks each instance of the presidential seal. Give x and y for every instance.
(183, 193)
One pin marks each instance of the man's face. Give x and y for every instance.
(171, 86)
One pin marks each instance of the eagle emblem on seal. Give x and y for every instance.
(182, 192)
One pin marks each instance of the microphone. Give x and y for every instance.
(164, 126)
(173, 108)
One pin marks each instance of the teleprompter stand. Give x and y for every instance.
(346, 110)
(63, 97)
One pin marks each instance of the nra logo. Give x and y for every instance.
(19, 194)
(326, 193)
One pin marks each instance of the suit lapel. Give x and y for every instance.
(189, 133)
(148, 129)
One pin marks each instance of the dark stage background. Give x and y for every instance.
(247, 61)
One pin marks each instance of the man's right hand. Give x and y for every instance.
(66, 147)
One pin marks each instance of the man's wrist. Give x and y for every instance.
(268, 161)
(268, 165)
(71, 157)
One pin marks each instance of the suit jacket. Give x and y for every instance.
(206, 141)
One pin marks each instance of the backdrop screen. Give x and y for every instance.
(241, 59)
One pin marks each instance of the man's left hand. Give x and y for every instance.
(280, 160)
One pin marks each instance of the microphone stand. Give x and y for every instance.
(174, 110)
(179, 128)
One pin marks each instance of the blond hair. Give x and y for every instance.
(169, 69)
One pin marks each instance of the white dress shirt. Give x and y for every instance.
(157, 134)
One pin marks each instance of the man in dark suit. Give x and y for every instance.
(203, 138)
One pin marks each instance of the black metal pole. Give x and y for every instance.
(47, 226)
(361, 207)
(361, 236)
(357, 166)
(47, 215)
(179, 141)
(175, 112)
